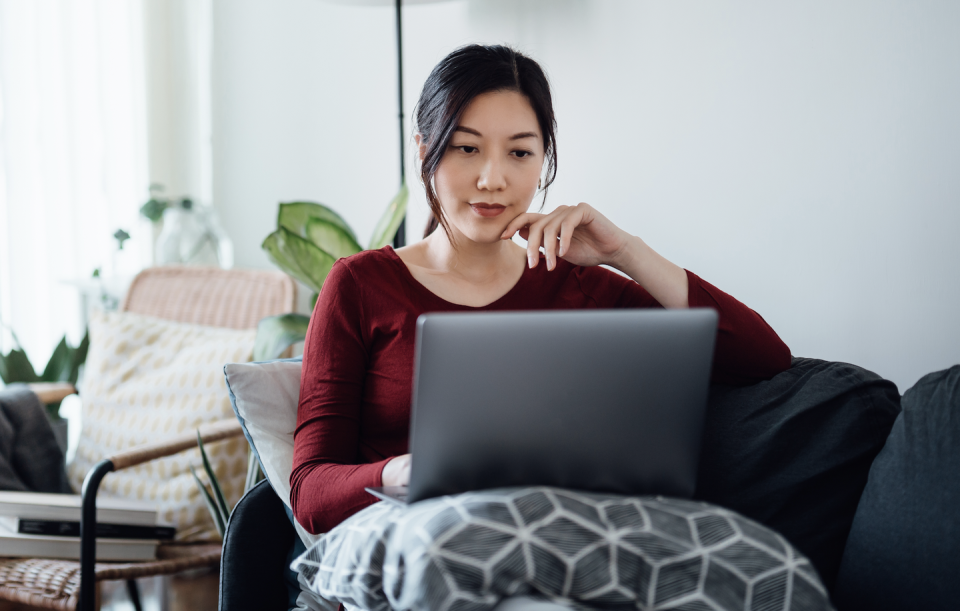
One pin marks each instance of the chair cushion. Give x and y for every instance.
(146, 379)
(471, 550)
(793, 452)
(903, 549)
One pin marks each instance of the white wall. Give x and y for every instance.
(802, 156)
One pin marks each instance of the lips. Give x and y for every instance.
(488, 210)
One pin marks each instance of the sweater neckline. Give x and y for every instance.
(424, 290)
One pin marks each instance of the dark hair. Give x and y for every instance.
(454, 83)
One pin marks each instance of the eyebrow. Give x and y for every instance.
(520, 136)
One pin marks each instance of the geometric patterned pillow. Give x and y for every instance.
(584, 550)
(146, 379)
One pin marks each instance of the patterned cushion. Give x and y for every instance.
(593, 550)
(147, 379)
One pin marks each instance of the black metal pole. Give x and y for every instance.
(88, 534)
(400, 238)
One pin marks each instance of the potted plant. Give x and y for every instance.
(309, 239)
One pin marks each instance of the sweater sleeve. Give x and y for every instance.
(326, 484)
(748, 350)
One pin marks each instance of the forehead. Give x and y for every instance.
(500, 114)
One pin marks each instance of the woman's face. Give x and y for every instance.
(489, 173)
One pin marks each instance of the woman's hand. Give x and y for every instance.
(583, 236)
(396, 472)
(578, 234)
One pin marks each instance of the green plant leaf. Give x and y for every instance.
(298, 257)
(214, 482)
(16, 367)
(332, 238)
(58, 367)
(53, 411)
(277, 333)
(79, 358)
(293, 216)
(254, 474)
(390, 221)
(154, 208)
(211, 506)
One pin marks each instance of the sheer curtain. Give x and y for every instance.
(73, 159)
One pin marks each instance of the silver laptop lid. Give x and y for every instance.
(606, 400)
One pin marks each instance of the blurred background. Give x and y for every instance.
(804, 157)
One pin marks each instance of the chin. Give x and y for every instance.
(482, 235)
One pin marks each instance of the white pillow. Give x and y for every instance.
(265, 397)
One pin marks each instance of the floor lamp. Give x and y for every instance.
(400, 238)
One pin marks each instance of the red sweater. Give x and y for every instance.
(357, 381)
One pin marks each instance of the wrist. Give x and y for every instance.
(629, 259)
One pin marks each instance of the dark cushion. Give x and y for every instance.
(256, 547)
(904, 547)
(30, 458)
(794, 452)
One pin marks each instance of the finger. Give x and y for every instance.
(519, 223)
(534, 240)
(550, 232)
(567, 229)
(405, 477)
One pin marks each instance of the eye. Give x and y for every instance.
(466, 148)
(521, 154)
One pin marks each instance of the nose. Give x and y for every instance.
(491, 176)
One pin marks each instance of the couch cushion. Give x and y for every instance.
(146, 379)
(793, 452)
(264, 396)
(904, 548)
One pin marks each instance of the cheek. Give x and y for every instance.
(449, 181)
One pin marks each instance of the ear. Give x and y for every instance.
(421, 146)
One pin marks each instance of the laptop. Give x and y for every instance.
(594, 400)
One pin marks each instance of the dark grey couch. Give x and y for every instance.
(809, 453)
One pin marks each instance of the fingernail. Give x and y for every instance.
(530, 261)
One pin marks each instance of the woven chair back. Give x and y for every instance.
(236, 298)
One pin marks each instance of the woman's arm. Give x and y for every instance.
(747, 348)
(326, 483)
(582, 236)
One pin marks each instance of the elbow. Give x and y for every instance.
(747, 370)
(307, 509)
(778, 360)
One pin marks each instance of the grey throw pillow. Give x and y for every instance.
(469, 551)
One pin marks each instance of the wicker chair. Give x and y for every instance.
(235, 299)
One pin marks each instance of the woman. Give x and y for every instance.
(485, 133)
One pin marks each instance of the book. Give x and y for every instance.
(68, 548)
(70, 528)
(46, 506)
